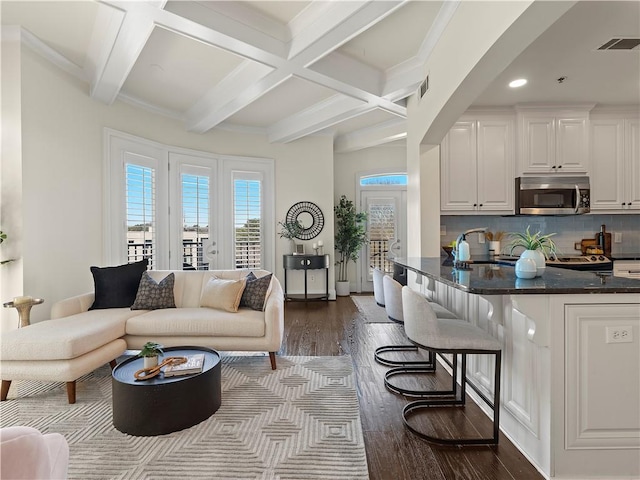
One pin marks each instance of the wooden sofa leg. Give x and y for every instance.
(272, 357)
(113, 364)
(71, 391)
(5, 389)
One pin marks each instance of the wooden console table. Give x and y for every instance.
(306, 263)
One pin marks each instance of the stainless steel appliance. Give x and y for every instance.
(590, 263)
(552, 195)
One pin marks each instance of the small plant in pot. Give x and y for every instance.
(290, 231)
(150, 353)
(537, 247)
(350, 236)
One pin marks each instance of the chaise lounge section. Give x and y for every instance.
(78, 340)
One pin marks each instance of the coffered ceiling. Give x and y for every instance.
(296, 68)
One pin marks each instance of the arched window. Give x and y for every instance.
(384, 179)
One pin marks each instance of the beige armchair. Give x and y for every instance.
(25, 453)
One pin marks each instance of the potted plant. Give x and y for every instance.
(537, 247)
(350, 236)
(150, 352)
(290, 231)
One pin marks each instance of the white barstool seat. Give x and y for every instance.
(393, 306)
(427, 331)
(378, 288)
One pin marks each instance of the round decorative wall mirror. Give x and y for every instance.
(309, 216)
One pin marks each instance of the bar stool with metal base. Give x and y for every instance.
(427, 331)
(393, 306)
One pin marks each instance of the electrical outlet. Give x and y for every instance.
(622, 334)
(481, 237)
(312, 278)
(617, 237)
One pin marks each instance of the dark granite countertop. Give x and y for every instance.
(491, 277)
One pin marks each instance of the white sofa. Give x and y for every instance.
(77, 340)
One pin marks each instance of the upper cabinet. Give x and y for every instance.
(553, 140)
(476, 165)
(615, 163)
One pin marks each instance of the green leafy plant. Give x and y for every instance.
(290, 230)
(535, 241)
(3, 237)
(350, 235)
(151, 349)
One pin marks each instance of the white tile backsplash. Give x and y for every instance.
(569, 229)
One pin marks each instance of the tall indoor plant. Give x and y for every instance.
(350, 236)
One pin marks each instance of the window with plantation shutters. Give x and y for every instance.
(185, 209)
(141, 213)
(195, 220)
(247, 219)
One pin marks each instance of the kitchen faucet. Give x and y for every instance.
(462, 262)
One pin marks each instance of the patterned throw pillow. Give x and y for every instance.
(116, 287)
(222, 294)
(154, 295)
(255, 292)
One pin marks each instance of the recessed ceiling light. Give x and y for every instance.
(518, 83)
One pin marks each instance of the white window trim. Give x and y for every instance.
(114, 196)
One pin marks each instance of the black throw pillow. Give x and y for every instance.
(116, 287)
(255, 291)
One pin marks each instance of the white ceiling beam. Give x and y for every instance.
(242, 86)
(371, 137)
(350, 71)
(324, 114)
(121, 54)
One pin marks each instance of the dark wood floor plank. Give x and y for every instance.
(338, 328)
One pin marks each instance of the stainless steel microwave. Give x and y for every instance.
(552, 195)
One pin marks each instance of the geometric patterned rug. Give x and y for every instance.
(300, 421)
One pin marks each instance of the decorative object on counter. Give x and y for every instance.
(150, 352)
(603, 239)
(299, 250)
(462, 254)
(448, 251)
(537, 247)
(526, 268)
(309, 217)
(351, 235)
(494, 240)
(290, 231)
(23, 305)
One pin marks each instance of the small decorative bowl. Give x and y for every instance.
(448, 251)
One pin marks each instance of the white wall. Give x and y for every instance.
(62, 162)
(496, 32)
(348, 167)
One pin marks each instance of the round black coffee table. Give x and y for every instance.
(163, 405)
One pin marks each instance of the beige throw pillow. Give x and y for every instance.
(222, 294)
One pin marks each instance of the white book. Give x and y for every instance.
(193, 364)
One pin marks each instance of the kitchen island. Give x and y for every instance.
(571, 359)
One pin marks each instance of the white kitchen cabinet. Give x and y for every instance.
(477, 158)
(615, 164)
(552, 141)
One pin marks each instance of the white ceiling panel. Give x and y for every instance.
(569, 49)
(288, 98)
(174, 71)
(283, 12)
(64, 26)
(396, 38)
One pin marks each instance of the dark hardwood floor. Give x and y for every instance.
(393, 453)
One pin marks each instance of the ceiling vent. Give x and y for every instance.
(621, 44)
(424, 87)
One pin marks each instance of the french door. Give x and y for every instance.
(386, 230)
(185, 209)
